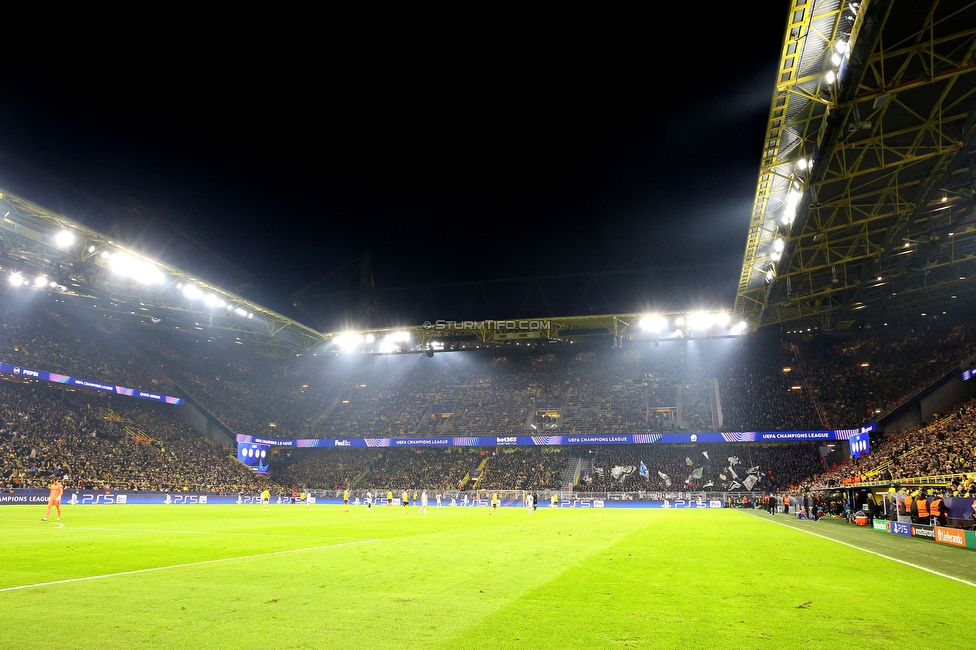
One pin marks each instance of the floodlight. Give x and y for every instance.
(775, 256)
(699, 320)
(653, 323)
(64, 239)
(16, 279)
(792, 198)
(192, 292)
(841, 47)
(835, 59)
(40, 281)
(801, 164)
(348, 341)
(722, 319)
(779, 245)
(141, 271)
(370, 338)
(830, 77)
(91, 249)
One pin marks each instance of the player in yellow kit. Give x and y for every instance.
(494, 503)
(345, 500)
(405, 500)
(54, 498)
(389, 498)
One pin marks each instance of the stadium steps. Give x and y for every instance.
(139, 435)
(571, 473)
(110, 415)
(716, 403)
(424, 418)
(362, 477)
(808, 388)
(479, 472)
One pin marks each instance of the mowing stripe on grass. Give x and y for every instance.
(178, 532)
(208, 532)
(887, 557)
(186, 564)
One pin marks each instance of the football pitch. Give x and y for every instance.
(294, 577)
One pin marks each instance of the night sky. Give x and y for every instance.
(506, 147)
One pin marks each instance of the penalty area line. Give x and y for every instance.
(184, 565)
(865, 550)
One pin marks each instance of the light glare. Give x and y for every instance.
(64, 239)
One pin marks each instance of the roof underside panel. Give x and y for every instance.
(881, 222)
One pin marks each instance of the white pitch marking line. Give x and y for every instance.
(186, 564)
(887, 557)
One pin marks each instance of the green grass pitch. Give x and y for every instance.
(294, 577)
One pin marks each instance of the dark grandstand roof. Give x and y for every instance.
(881, 224)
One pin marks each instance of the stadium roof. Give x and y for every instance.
(81, 266)
(865, 197)
(43, 251)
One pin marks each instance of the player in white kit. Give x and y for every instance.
(423, 502)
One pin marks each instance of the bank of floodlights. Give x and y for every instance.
(691, 324)
(393, 342)
(211, 299)
(837, 60)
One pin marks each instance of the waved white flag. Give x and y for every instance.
(622, 471)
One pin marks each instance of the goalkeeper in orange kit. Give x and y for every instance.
(54, 498)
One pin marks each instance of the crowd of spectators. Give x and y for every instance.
(944, 447)
(331, 469)
(836, 382)
(45, 339)
(510, 468)
(104, 443)
(761, 382)
(443, 469)
(757, 383)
